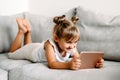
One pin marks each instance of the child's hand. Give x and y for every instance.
(75, 63)
(100, 63)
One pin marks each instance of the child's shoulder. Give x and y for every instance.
(49, 42)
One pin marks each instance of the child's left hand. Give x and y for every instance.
(100, 62)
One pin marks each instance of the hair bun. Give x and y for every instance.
(74, 19)
(59, 19)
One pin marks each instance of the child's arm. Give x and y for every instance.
(52, 63)
(50, 55)
(76, 59)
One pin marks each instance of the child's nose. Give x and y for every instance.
(72, 46)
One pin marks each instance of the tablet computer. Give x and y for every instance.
(90, 58)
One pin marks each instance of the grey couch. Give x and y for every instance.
(98, 33)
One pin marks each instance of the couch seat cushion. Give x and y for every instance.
(40, 71)
(3, 75)
(8, 64)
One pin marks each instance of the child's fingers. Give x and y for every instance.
(101, 60)
(76, 63)
(76, 66)
(77, 60)
(99, 65)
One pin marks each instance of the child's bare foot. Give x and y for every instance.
(21, 26)
(27, 25)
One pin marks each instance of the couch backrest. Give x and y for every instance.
(41, 28)
(99, 32)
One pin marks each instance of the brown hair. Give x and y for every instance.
(66, 29)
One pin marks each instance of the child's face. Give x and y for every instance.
(67, 45)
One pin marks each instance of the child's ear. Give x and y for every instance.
(55, 37)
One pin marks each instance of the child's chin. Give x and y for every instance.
(68, 51)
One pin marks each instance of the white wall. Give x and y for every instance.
(10, 7)
(51, 7)
(56, 7)
(111, 7)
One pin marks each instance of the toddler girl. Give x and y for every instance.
(56, 51)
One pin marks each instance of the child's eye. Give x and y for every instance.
(76, 41)
(71, 42)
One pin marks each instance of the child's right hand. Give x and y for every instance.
(75, 63)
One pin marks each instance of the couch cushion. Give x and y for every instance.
(99, 32)
(41, 26)
(3, 75)
(8, 31)
(40, 71)
(9, 64)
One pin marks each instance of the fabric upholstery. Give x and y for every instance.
(9, 64)
(3, 75)
(41, 26)
(99, 32)
(40, 71)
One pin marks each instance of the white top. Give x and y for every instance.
(40, 55)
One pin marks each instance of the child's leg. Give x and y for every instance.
(27, 38)
(18, 40)
(27, 51)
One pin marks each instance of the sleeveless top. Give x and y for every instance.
(40, 55)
